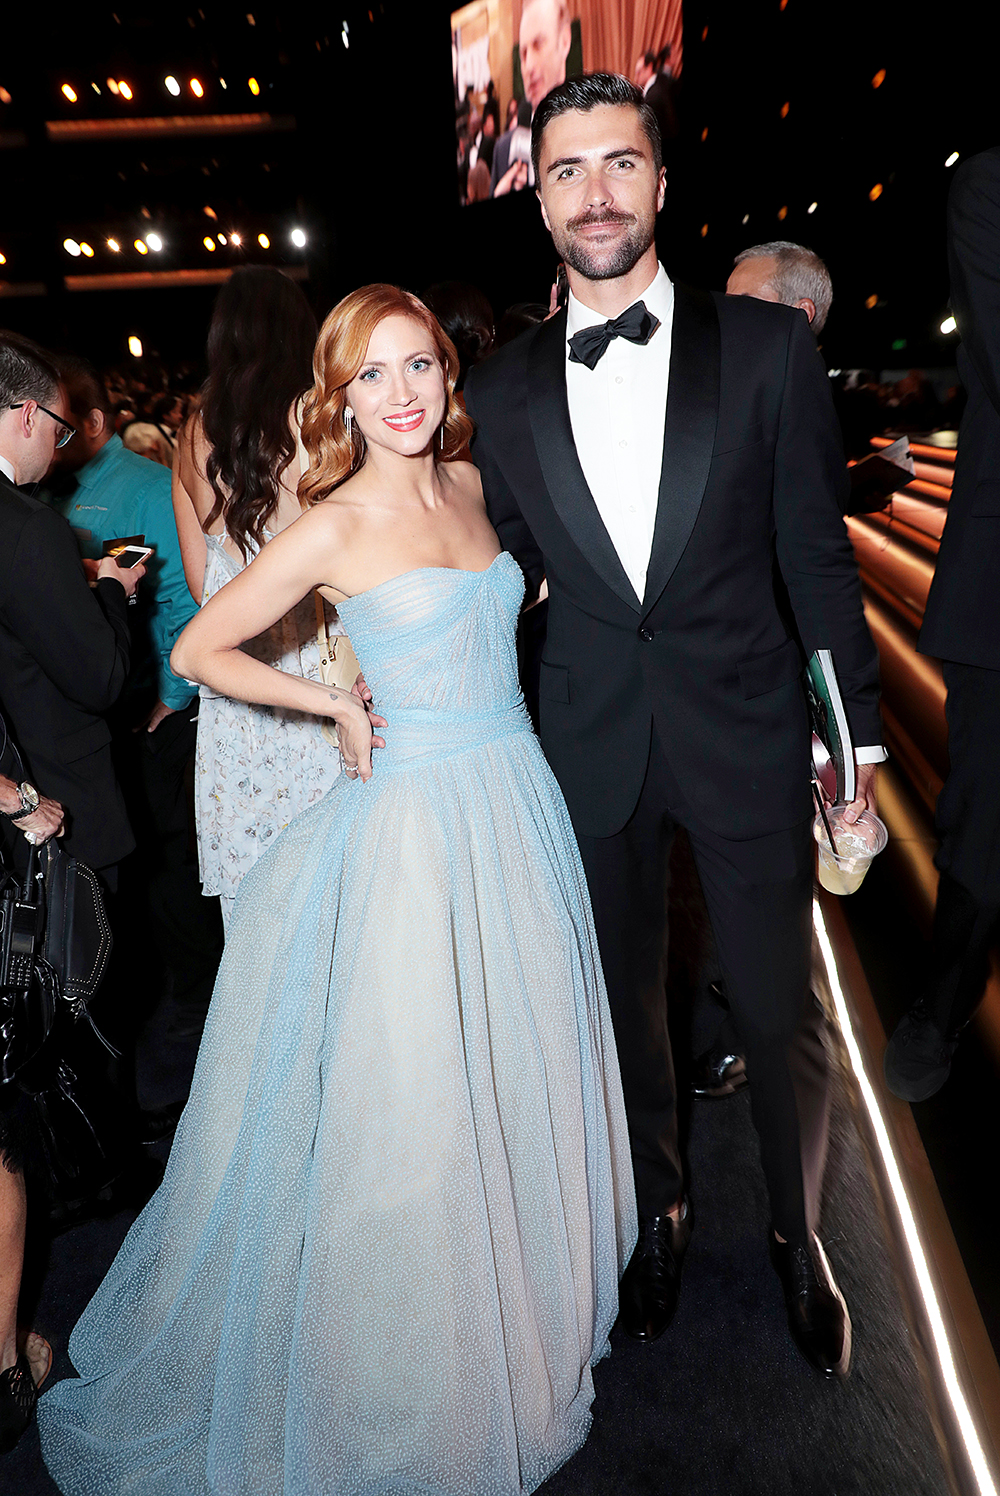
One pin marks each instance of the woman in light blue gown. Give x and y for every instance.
(386, 1250)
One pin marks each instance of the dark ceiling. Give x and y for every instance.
(362, 161)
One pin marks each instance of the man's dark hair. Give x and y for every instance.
(27, 372)
(85, 391)
(584, 94)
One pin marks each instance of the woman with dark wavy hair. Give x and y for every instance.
(236, 470)
(385, 1253)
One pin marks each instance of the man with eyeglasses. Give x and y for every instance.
(64, 648)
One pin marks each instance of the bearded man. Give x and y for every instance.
(657, 454)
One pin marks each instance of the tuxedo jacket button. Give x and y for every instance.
(646, 634)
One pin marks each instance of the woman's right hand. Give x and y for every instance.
(354, 729)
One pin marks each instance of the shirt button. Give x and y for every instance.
(623, 444)
(619, 379)
(646, 634)
(631, 509)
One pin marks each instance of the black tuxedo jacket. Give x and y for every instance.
(64, 655)
(748, 521)
(962, 620)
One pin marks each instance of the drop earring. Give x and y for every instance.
(441, 436)
(349, 422)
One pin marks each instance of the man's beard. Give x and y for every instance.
(626, 253)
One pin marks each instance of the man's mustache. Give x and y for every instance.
(609, 215)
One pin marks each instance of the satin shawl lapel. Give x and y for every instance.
(548, 411)
(689, 432)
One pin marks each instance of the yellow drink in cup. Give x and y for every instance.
(841, 869)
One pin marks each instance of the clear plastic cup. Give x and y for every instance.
(843, 871)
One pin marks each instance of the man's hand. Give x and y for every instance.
(44, 822)
(159, 714)
(129, 576)
(513, 179)
(867, 797)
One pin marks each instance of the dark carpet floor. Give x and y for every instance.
(723, 1403)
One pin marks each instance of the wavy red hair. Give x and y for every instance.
(340, 352)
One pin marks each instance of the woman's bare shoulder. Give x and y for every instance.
(465, 478)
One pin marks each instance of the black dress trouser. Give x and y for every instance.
(759, 897)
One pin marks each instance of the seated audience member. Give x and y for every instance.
(786, 273)
(147, 440)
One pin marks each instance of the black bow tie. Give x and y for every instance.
(590, 344)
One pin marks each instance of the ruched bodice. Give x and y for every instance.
(385, 1253)
(437, 649)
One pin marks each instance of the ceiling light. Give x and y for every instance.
(197, 89)
(298, 238)
(208, 243)
(222, 238)
(812, 207)
(124, 89)
(141, 246)
(114, 246)
(222, 83)
(782, 213)
(112, 85)
(72, 248)
(135, 346)
(155, 242)
(85, 249)
(952, 159)
(784, 110)
(4, 96)
(3, 258)
(263, 241)
(949, 325)
(871, 302)
(879, 78)
(344, 37)
(171, 85)
(69, 92)
(236, 239)
(746, 218)
(96, 87)
(253, 85)
(209, 212)
(876, 192)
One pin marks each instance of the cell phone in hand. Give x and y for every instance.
(132, 555)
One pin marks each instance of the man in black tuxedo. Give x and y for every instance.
(64, 649)
(654, 468)
(962, 628)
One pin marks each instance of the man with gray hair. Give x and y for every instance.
(787, 273)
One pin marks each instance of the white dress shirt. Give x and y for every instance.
(8, 468)
(617, 412)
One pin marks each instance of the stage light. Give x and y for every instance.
(114, 246)
(298, 238)
(124, 89)
(879, 78)
(155, 242)
(209, 212)
(209, 243)
(704, 230)
(223, 83)
(3, 258)
(949, 325)
(253, 86)
(784, 110)
(135, 346)
(263, 241)
(4, 96)
(72, 248)
(197, 89)
(746, 218)
(345, 35)
(140, 245)
(876, 192)
(236, 239)
(85, 249)
(782, 214)
(812, 207)
(69, 92)
(171, 85)
(112, 85)
(871, 302)
(952, 159)
(222, 238)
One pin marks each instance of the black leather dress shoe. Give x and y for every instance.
(717, 1074)
(918, 1057)
(651, 1284)
(817, 1313)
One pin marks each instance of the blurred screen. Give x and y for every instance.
(508, 54)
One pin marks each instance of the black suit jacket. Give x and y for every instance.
(64, 656)
(962, 620)
(753, 479)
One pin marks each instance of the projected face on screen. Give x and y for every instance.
(543, 43)
(508, 54)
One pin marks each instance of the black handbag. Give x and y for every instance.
(77, 941)
(29, 987)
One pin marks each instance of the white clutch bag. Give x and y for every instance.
(338, 664)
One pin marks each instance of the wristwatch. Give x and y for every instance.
(28, 796)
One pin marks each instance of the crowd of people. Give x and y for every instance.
(430, 1153)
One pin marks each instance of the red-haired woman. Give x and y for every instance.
(386, 1250)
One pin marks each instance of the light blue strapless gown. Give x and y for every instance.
(386, 1250)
